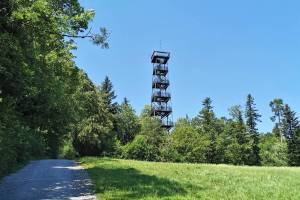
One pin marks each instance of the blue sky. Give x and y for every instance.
(220, 49)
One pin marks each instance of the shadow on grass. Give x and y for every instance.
(129, 183)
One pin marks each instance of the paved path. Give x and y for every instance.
(48, 179)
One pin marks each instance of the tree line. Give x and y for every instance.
(49, 107)
(204, 138)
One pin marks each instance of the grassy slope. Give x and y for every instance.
(127, 179)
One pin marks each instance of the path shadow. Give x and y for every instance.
(79, 187)
(129, 183)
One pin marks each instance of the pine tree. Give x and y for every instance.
(291, 131)
(206, 123)
(237, 117)
(207, 113)
(252, 118)
(294, 149)
(127, 123)
(290, 122)
(92, 134)
(277, 108)
(235, 140)
(108, 95)
(206, 117)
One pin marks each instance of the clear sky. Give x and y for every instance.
(221, 49)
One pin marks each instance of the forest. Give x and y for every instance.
(50, 108)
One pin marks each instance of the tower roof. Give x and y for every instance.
(160, 57)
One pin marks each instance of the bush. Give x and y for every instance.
(273, 152)
(18, 143)
(169, 153)
(68, 151)
(140, 149)
(191, 145)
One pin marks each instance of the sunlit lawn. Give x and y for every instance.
(128, 179)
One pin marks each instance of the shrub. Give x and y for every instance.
(140, 149)
(191, 145)
(18, 143)
(169, 153)
(273, 152)
(68, 151)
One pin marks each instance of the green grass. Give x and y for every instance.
(128, 179)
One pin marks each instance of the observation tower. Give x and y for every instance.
(161, 96)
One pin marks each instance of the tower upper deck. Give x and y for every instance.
(160, 57)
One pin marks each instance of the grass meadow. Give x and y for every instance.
(129, 179)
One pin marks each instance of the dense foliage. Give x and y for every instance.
(44, 97)
(209, 139)
(49, 106)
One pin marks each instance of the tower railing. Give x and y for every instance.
(160, 54)
(160, 70)
(161, 67)
(161, 80)
(163, 108)
(167, 124)
(161, 94)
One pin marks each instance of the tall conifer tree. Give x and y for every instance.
(290, 122)
(291, 131)
(128, 125)
(206, 123)
(108, 95)
(252, 118)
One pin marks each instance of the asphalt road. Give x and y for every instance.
(48, 179)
